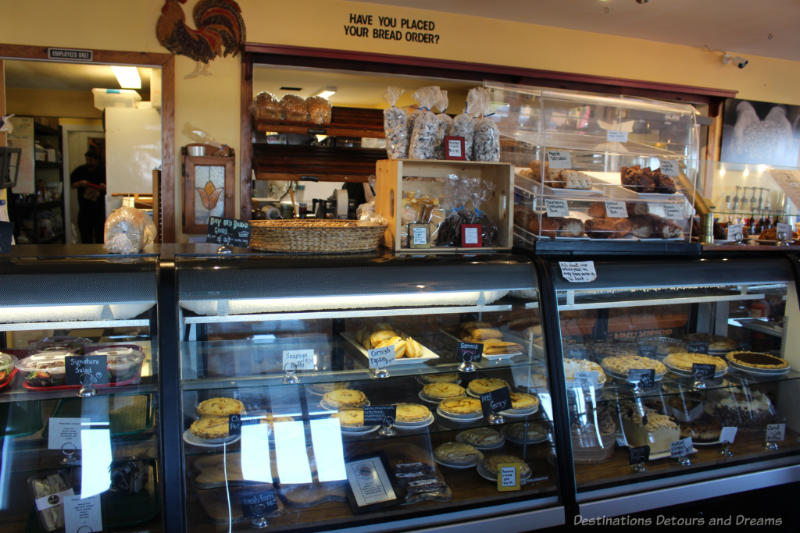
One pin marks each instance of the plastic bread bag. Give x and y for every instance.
(395, 125)
(445, 122)
(486, 140)
(464, 124)
(319, 110)
(294, 108)
(128, 231)
(422, 143)
(267, 106)
(469, 196)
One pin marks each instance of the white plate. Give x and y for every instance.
(356, 432)
(711, 443)
(427, 355)
(520, 413)
(457, 466)
(460, 419)
(760, 371)
(415, 425)
(485, 474)
(685, 374)
(482, 448)
(493, 357)
(327, 407)
(428, 400)
(189, 438)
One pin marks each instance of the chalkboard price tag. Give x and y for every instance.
(496, 401)
(697, 347)
(380, 415)
(381, 357)
(703, 372)
(470, 352)
(228, 231)
(681, 448)
(638, 455)
(235, 423)
(258, 504)
(776, 432)
(86, 369)
(645, 377)
(5, 237)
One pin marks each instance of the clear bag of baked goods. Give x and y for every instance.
(464, 124)
(445, 121)
(319, 110)
(395, 125)
(486, 139)
(48, 491)
(418, 208)
(467, 195)
(422, 143)
(267, 106)
(294, 108)
(128, 230)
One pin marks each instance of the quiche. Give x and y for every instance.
(440, 391)
(220, 407)
(521, 400)
(622, 364)
(683, 361)
(481, 437)
(491, 464)
(461, 406)
(344, 398)
(571, 366)
(759, 360)
(210, 427)
(350, 417)
(457, 453)
(408, 413)
(484, 385)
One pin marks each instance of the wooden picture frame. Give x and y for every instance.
(208, 185)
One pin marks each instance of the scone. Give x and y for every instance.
(457, 453)
(461, 406)
(350, 417)
(490, 464)
(484, 385)
(344, 398)
(440, 391)
(409, 413)
(520, 400)
(210, 427)
(220, 407)
(481, 437)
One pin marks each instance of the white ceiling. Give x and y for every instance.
(66, 76)
(766, 28)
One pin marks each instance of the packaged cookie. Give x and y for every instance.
(395, 126)
(486, 139)
(294, 108)
(445, 121)
(464, 124)
(422, 143)
(319, 110)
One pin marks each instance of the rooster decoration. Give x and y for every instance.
(220, 30)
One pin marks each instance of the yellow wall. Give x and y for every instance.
(51, 103)
(212, 102)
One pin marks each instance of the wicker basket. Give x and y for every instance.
(314, 236)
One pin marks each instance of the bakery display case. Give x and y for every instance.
(681, 378)
(79, 391)
(374, 393)
(597, 167)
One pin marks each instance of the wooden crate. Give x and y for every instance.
(395, 177)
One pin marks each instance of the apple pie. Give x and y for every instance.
(463, 406)
(220, 407)
(440, 391)
(408, 413)
(483, 385)
(344, 398)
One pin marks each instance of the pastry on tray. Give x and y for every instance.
(683, 361)
(500, 347)
(521, 400)
(491, 462)
(623, 364)
(571, 366)
(382, 334)
(210, 427)
(350, 418)
(532, 432)
(440, 391)
(655, 430)
(409, 413)
(449, 377)
(457, 453)
(483, 385)
(344, 398)
(463, 406)
(220, 407)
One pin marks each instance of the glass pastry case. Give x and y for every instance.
(681, 376)
(375, 393)
(78, 392)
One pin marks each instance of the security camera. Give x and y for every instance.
(742, 63)
(739, 60)
(642, 1)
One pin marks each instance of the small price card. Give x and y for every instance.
(82, 514)
(578, 271)
(228, 231)
(735, 232)
(703, 372)
(785, 231)
(418, 234)
(638, 455)
(455, 148)
(559, 159)
(64, 433)
(298, 360)
(776, 432)
(380, 414)
(496, 401)
(681, 448)
(616, 136)
(507, 477)
(697, 347)
(556, 207)
(728, 434)
(470, 352)
(235, 423)
(616, 209)
(669, 167)
(587, 378)
(381, 357)
(471, 235)
(645, 377)
(673, 211)
(86, 369)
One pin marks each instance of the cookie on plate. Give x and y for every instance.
(457, 453)
(220, 407)
(440, 391)
(210, 427)
(345, 398)
(484, 385)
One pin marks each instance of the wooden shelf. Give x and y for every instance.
(291, 162)
(345, 122)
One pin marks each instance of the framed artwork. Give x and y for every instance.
(208, 186)
(760, 133)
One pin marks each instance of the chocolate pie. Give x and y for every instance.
(756, 360)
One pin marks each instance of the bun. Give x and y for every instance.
(642, 226)
(319, 110)
(571, 227)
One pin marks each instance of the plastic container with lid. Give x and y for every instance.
(48, 369)
(7, 364)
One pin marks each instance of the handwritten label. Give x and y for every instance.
(728, 434)
(82, 514)
(638, 455)
(469, 352)
(419, 235)
(258, 504)
(578, 271)
(496, 401)
(669, 167)
(776, 432)
(646, 377)
(470, 235)
(703, 372)
(559, 159)
(410, 30)
(86, 369)
(615, 209)
(298, 360)
(455, 147)
(783, 232)
(616, 136)
(587, 379)
(6, 232)
(507, 477)
(556, 208)
(681, 448)
(673, 211)
(380, 414)
(735, 232)
(381, 357)
(228, 231)
(64, 433)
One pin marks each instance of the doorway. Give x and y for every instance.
(77, 140)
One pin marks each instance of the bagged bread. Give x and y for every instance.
(294, 108)
(486, 140)
(464, 124)
(128, 230)
(319, 110)
(423, 138)
(445, 121)
(395, 125)
(267, 107)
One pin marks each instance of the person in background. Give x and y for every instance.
(90, 181)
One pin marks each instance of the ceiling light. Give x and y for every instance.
(327, 92)
(128, 77)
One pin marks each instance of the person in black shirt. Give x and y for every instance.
(90, 181)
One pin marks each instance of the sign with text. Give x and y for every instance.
(507, 477)
(776, 432)
(380, 415)
(638, 455)
(559, 159)
(703, 372)
(6, 232)
(82, 514)
(496, 401)
(728, 434)
(70, 54)
(616, 136)
(673, 211)
(556, 207)
(381, 357)
(454, 148)
(470, 352)
(86, 369)
(782, 231)
(645, 377)
(298, 360)
(669, 167)
(697, 347)
(578, 271)
(681, 448)
(735, 232)
(258, 504)
(235, 423)
(228, 231)
(403, 29)
(616, 209)
(64, 433)
(471, 235)
(419, 235)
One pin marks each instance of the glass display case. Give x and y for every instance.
(379, 393)
(681, 379)
(597, 167)
(78, 392)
